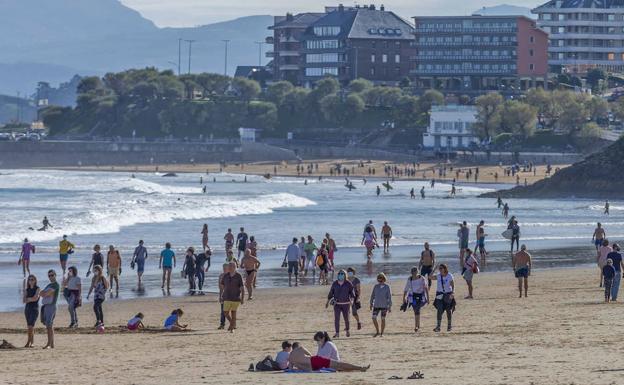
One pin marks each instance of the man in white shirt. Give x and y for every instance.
(293, 260)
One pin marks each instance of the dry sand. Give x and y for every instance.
(424, 171)
(561, 334)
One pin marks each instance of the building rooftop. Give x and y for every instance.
(582, 4)
(378, 24)
(300, 20)
(453, 107)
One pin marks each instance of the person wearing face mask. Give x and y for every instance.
(381, 302)
(341, 295)
(357, 291)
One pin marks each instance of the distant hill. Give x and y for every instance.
(53, 40)
(505, 10)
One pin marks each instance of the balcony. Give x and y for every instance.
(289, 67)
(269, 54)
(492, 30)
(465, 57)
(467, 44)
(446, 72)
(288, 53)
(575, 48)
(288, 39)
(269, 40)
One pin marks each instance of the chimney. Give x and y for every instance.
(372, 7)
(340, 8)
(382, 8)
(290, 17)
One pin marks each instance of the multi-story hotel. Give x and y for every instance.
(584, 34)
(345, 42)
(477, 53)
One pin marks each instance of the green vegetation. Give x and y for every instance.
(156, 103)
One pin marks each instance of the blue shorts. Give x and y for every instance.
(140, 266)
(598, 242)
(522, 272)
(426, 270)
(63, 257)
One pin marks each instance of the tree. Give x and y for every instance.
(574, 113)
(618, 109)
(519, 118)
(594, 76)
(278, 91)
(262, 115)
(360, 85)
(212, 84)
(246, 89)
(489, 107)
(598, 108)
(431, 98)
(590, 131)
(339, 111)
(407, 111)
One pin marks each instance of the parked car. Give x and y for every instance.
(5, 136)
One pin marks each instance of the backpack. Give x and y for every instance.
(320, 261)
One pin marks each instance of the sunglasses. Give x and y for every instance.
(51, 275)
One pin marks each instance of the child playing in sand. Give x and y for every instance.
(281, 359)
(172, 323)
(136, 323)
(608, 273)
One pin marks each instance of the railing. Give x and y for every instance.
(467, 29)
(462, 71)
(466, 43)
(465, 57)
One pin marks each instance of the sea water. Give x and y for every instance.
(116, 208)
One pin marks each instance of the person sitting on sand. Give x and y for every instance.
(172, 323)
(608, 272)
(301, 359)
(251, 264)
(281, 358)
(136, 322)
(326, 348)
(521, 263)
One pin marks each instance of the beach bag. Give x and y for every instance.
(264, 366)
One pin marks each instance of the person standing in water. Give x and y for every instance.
(422, 192)
(386, 232)
(606, 208)
(521, 264)
(515, 235)
(481, 241)
(45, 224)
(229, 240)
(505, 210)
(65, 248)
(241, 241)
(412, 193)
(188, 269)
(292, 261)
(113, 263)
(464, 234)
(167, 262)
(598, 236)
(378, 191)
(204, 234)
(24, 259)
(138, 259)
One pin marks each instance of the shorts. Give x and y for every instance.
(598, 242)
(167, 268)
(113, 271)
(31, 313)
(355, 307)
(522, 272)
(468, 274)
(481, 243)
(386, 236)
(140, 265)
(48, 313)
(318, 363)
(463, 244)
(231, 305)
(293, 267)
(369, 244)
(377, 310)
(426, 270)
(63, 257)
(228, 245)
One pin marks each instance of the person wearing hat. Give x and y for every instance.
(65, 248)
(618, 265)
(381, 302)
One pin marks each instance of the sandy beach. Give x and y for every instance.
(561, 334)
(423, 171)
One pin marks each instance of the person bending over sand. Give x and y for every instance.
(172, 323)
(300, 358)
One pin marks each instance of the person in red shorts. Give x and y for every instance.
(300, 358)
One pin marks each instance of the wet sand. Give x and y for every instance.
(561, 334)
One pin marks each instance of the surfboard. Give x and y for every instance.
(387, 186)
(508, 233)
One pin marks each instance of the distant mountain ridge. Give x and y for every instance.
(53, 40)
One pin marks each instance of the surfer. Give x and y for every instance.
(305, 182)
(386, 232)
(499, 201)
(453, 190)
(46, 223)
(204, 189)
(422, 192)
(521, 264)
(606, 208)
(387, 185)
(505, 210)
(412, 194)
(432, 183)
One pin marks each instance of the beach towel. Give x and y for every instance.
(327, 370)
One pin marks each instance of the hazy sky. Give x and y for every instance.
(198, 12)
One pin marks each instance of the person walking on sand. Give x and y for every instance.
(99, 286)
(292, 260)
(386, 232)
(232, 294)
(229, 240)
(481, 241)
(97, 259)
(381, 302)
(241, 242)
(204, 234)
(445, 298)
(521, 264)
(341, 295)
(598, 236)
(601, 260)
(427, 262)
(49, 296)
(188, 269)
(618, 265)
(65, 248)
(73, 289)
(471, 267)
(251, 265)
(416, 295)
(113, 263)
(138, 259)
(357, 293)
(31, 308)
(226, 269)
(167, 262)
(310, 248)
(608, 272)
(24, 259)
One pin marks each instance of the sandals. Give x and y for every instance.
(416, 376)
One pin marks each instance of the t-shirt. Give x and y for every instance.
(464, 233)
(241, 238)
(418, 285)
(51, 300)
(231, 287)
(27, 248)
(292, 253)
(617, 260)
(608, 272)
(167, 257)
(200, 260)
(73, 282)
(604, 251)
(328, 350)
(98, 259)
(282, 359)
(302, 252)
(444, 283)
(140, 253)
(64, 246)
(171, 320)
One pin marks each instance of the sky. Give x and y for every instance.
(170, 13)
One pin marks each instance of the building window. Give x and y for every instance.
(547, 16)
(322, 44)
(372, 71)
(372, 58)
(611, 56)
(397, 58)
(532, 39)
(611, 17)
(531, 52)
(373, 42)
(327, 31)
(531, 67)
(323, 58)
(384, 58)
(397, 45)
(321, 71)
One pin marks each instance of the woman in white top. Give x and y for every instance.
(471, 267)
(415, 295)
(445, 298)
(326, 347)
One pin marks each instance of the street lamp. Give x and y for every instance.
(260, 43)
(227, 42)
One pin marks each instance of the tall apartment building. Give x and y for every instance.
(478, 53)
(345, 42)
(584, 34)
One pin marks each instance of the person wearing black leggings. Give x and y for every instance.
(445, 298)
(99, 286)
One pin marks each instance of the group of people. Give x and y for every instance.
(303, 255)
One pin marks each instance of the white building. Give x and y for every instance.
(248, 134)
(451, 127)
